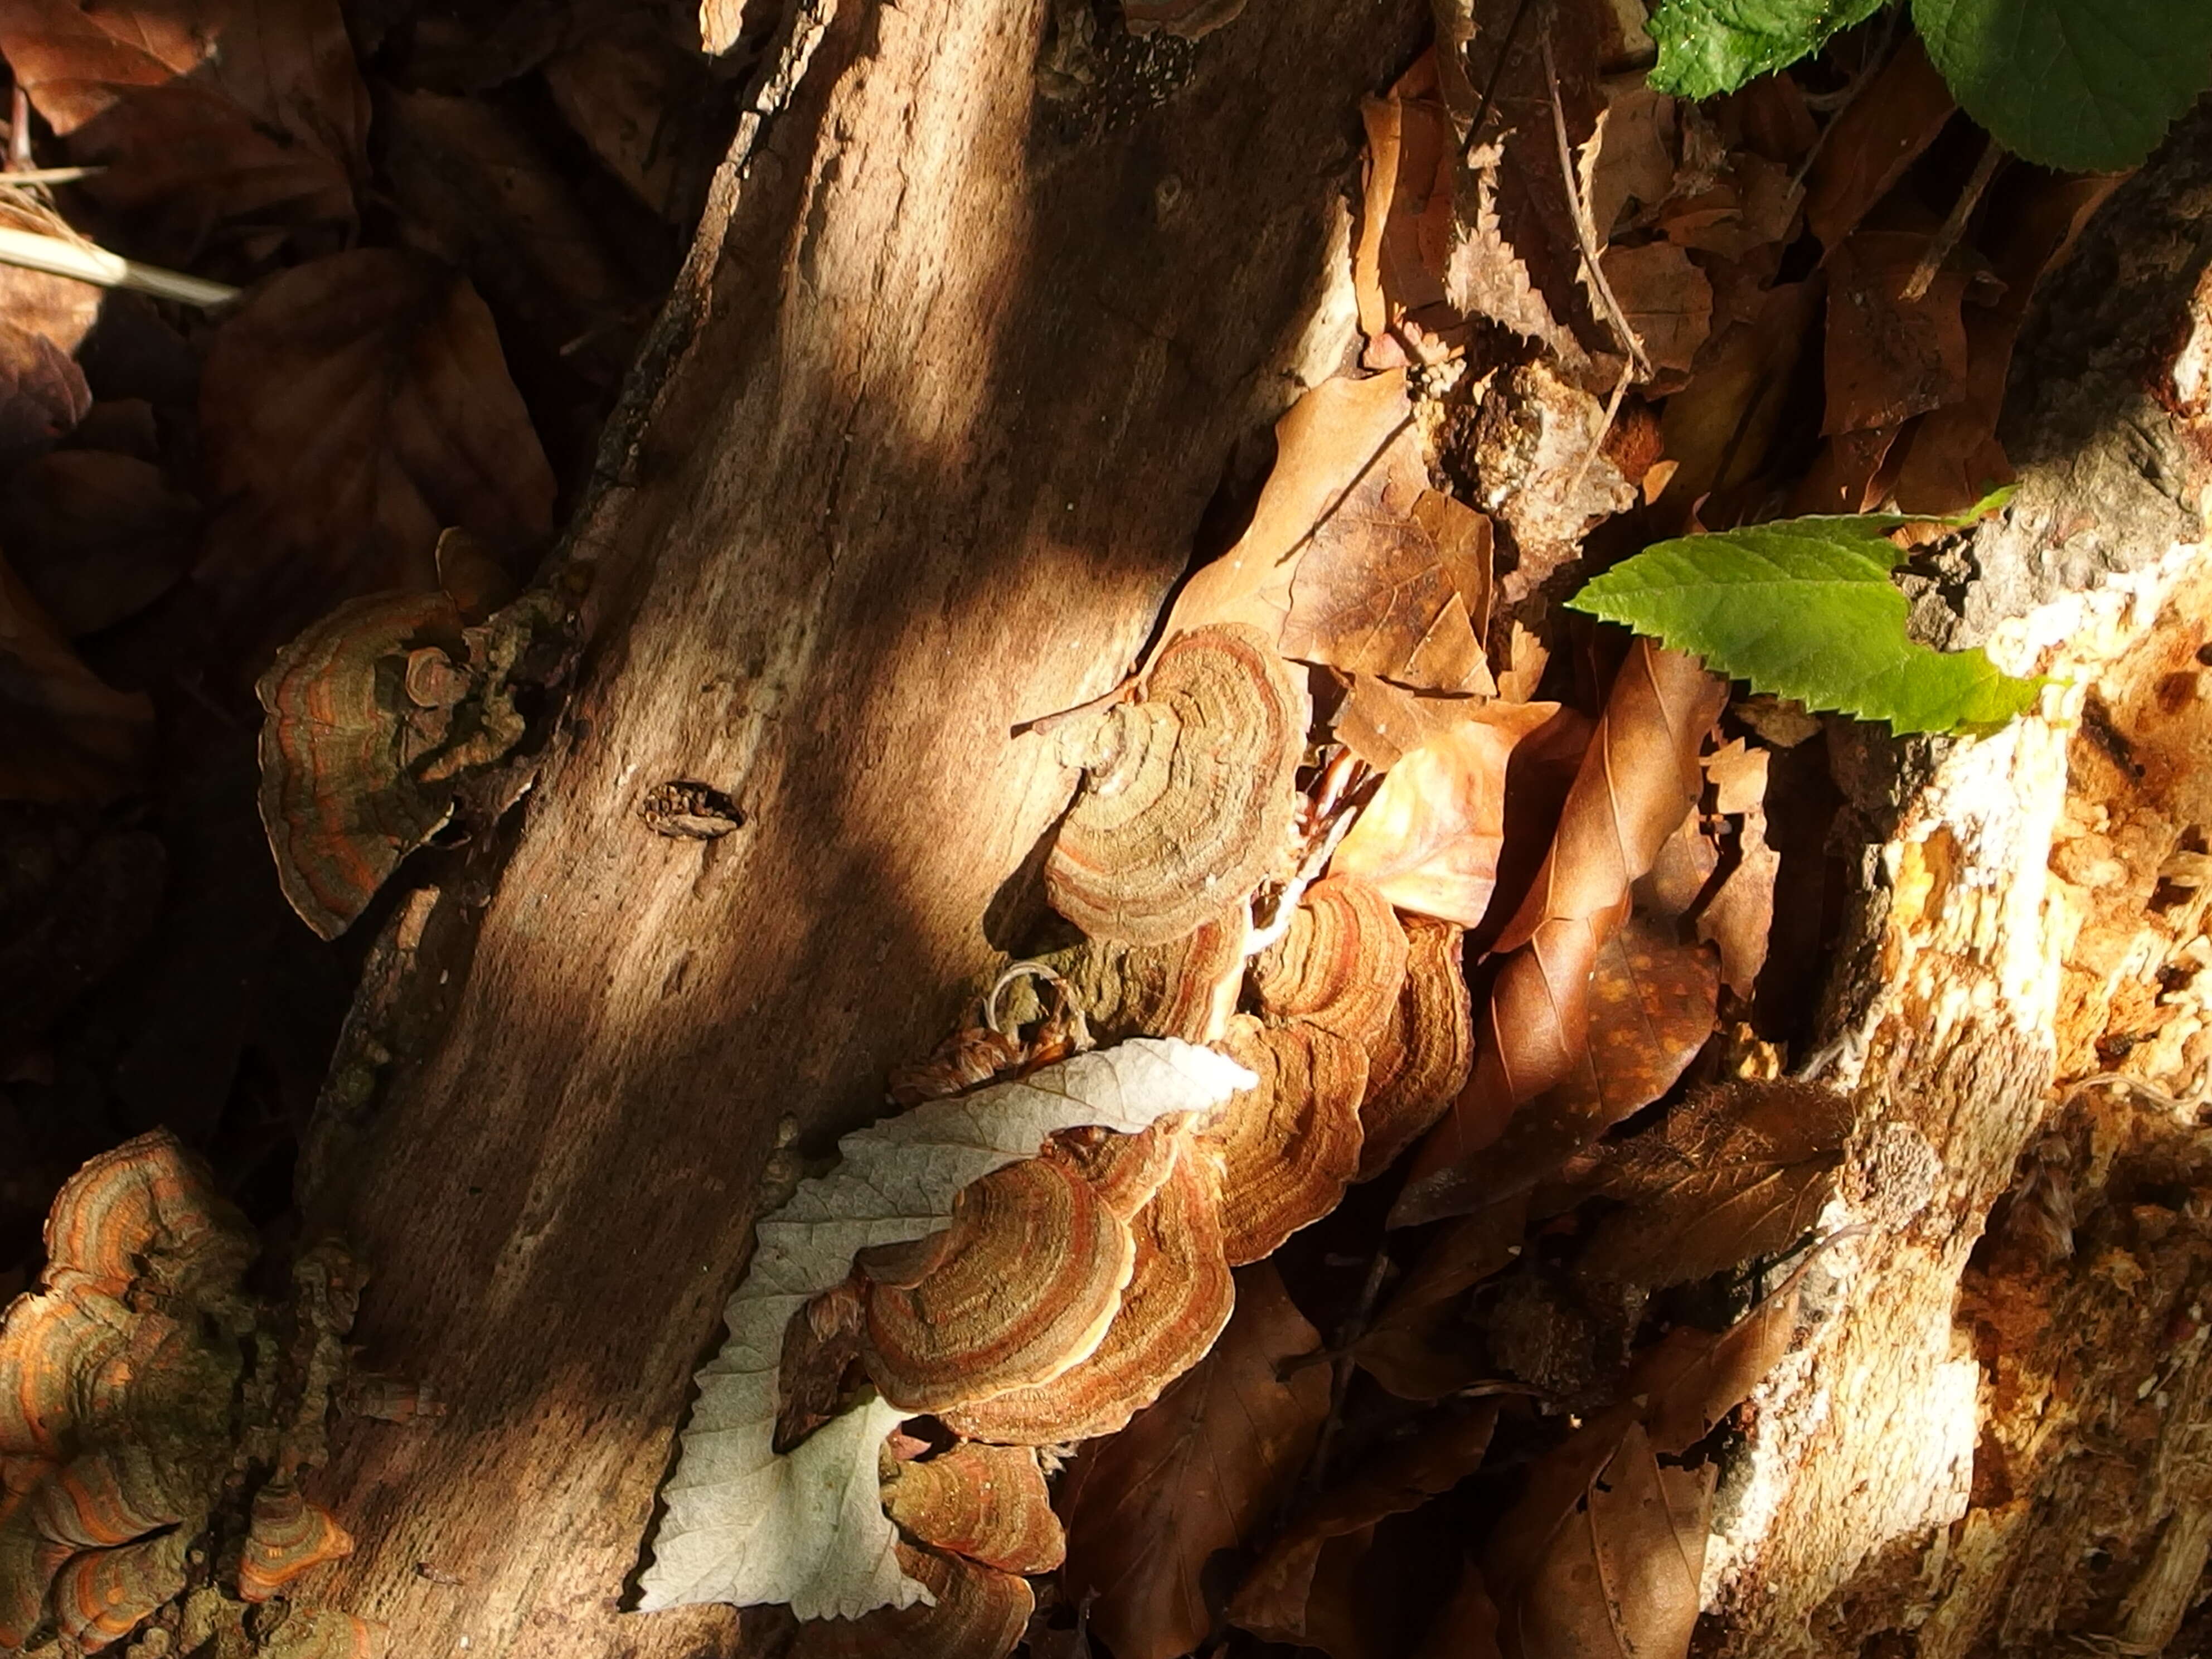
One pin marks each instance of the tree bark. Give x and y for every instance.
(1994, 1444)
(938, 412)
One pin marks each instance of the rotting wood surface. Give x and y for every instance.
(1906, 1487)
(928, 468)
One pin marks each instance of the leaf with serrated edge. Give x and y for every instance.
(2082, 85)
(746, 1526)
(1804, 608)
(1709, 46)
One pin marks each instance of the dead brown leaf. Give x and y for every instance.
(1639, 778)
(1407, 1348)
(1197, 1472)
(1467, 1628)
(351, 408)
(1619, 1571)
(1395, 582)
(1735, 1172)
(42, 391)
(1429, 840)
(1888, 358)
(1277, 1600)
(1740, 914)
(222, 110)
(97, 536)
(1326, 445)
(1872, 143)
(1629, 160)
(65, 734)
(1667, 301)
(637, 100)
(1721, 425)
(1671, 887)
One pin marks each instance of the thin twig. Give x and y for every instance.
(1490, 85)
(1954, 224)
(88, 263)
(1585, 234)
(16, 176)
(1604, 430)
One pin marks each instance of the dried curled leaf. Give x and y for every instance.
(1340, 965)
(1178, 1298)
(1197, 1472)
(1429, 840)
(1419, 1061)
(1031, 1274)
(976, 1612)
(1639, 778)
(1289, 1145)
(988, 1504)
(747, 1526)
(1187, 793)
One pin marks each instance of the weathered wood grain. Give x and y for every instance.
(927, 465)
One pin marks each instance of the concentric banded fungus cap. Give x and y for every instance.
(1184, 988)
(1290, 1145)
(1339, 965)
(1125, 1170)
(102, 1498)
(55, 1352)
(981, 1613)
(147, 1209)
(100, 1596)
(27, 1564)
(1179, 1297)
(1188, 796)
(1419, 1064)
(287, 1536)
(338, 798)
(987, 1502)
(1030, 1278)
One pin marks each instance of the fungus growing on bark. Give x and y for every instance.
(1032, 1273)
(1179, 1296)
(979, 1613)
(1290, 1145)
(1187, 794)
(1186, 988)
(1124, 1171)
(147, 1209)
(288, 1537)
(1341, 964)
(988, 1504)
(102, 1498)
(102, 1594)
(1420, 1059)
(339, 798)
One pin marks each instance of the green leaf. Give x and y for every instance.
(1804, 609)
(2088, 84)
(1711, 46)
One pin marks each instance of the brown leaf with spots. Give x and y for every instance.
(1652, 1006)
(1736, 1171)
(1198, 1472)
(1639, 778)
(1276, 1600)
(222, 110)
(352, 408)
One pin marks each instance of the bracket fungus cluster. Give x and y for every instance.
(376, 714)
(139, 1402)
(1040, 1246)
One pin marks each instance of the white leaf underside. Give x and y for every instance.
(747, 1526)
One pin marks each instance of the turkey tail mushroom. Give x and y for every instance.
(979, 1613)
(99, 1597)
(288, 1536)
(1290, 1145)
(1418, 1062)
(988, 1504)
(1340, 965)
(1188, 793)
